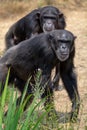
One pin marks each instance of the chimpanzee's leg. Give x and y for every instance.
(55, 82)
(3, 75)
(20, 84)
(46, 86)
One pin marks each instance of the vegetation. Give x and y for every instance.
(12, 8)
(35, 117)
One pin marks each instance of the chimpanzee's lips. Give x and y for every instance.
(63, 56)
(48, 29)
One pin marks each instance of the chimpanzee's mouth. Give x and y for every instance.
(48, 29)
(63, 56)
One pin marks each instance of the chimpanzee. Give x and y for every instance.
(37, 21)
(44, 19)
(44, 51)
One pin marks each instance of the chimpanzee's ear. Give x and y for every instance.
(60, 15)
(75, 37)
(73, 46)
(38, 15)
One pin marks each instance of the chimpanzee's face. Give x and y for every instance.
(49, 23)
(49, 19)
(63, 49)
(63, 44)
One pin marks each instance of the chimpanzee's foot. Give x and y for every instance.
(59, 88)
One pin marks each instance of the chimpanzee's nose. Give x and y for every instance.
(49, 24)
(63, 48)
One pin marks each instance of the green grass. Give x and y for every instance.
(35, 117)
(16, 119)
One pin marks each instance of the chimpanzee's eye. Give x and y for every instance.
(53, 18)
(64, 41)
(47, 17)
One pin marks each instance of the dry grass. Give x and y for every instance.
(77, 23)
(14, 8)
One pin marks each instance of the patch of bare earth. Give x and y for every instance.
(77, 23)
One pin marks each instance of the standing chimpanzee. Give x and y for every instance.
(44, 51)
(45, 19)
(39, 20)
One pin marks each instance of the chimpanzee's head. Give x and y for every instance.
(62, 43)
(51, 18)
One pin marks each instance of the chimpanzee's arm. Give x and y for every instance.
(69, 79)
(55, 82)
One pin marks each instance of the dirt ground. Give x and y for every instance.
(77, 23)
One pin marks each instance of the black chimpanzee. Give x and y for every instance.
(44, 51)
(39, 20)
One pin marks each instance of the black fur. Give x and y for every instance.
(32, 24)
(44, 51)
